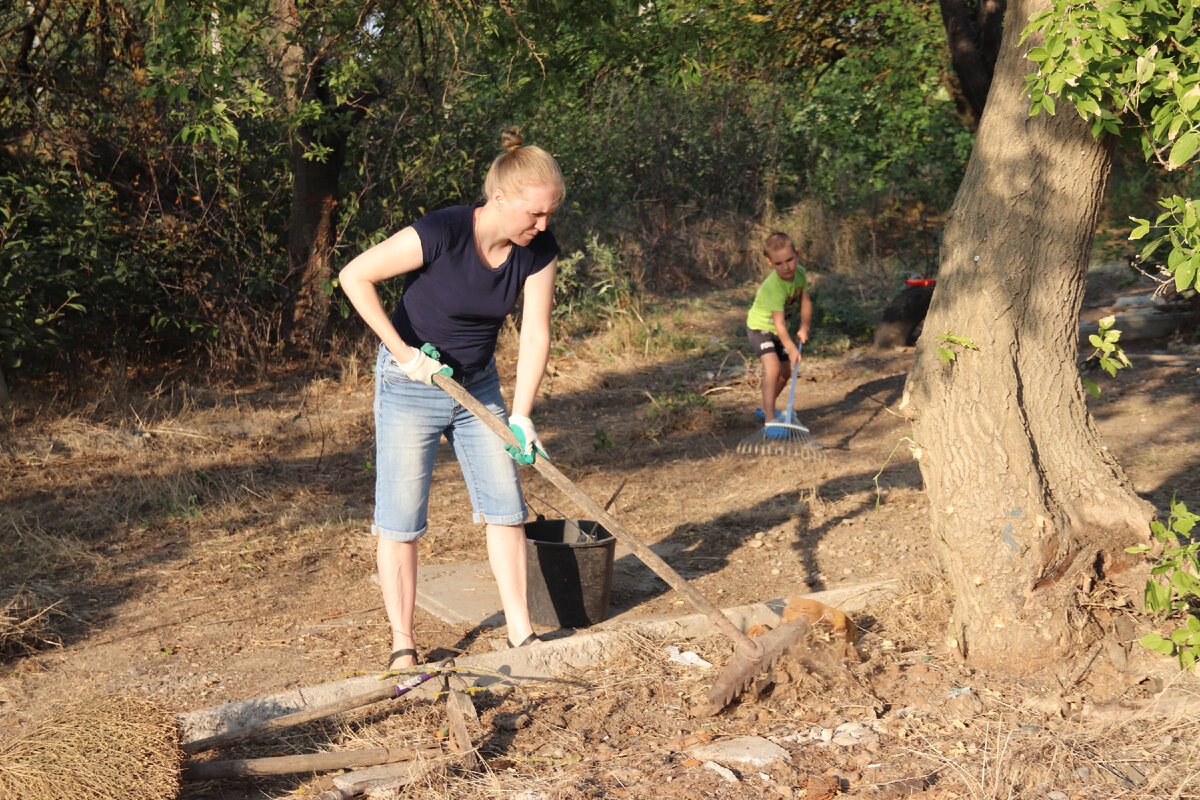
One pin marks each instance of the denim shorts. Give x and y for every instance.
(410, 419)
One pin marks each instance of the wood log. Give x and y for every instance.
(380, 781)
(385, 692)
(308, 762)
(459, 709)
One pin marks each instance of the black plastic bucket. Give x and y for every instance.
(570, 572)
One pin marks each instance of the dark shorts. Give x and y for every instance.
(764, 341)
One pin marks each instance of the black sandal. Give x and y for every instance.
(532, 638)
(408, 651)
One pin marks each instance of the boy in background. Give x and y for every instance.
(766, 322)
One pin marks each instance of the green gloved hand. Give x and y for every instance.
(528, 446)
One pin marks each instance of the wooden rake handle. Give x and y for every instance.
(596, 511)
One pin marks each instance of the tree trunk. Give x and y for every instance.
(313, 216)
(1026, 505)
(974, 39)
(312, 227)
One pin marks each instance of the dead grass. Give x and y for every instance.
(94, 747)
(25, 623)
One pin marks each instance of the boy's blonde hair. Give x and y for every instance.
(520, 167)
(777, 241)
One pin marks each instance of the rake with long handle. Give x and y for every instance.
(786, 438)
(753, 656)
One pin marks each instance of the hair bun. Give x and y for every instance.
(511, 139)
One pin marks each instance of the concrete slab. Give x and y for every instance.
(466, 593)
(558, 658)
(460, 593)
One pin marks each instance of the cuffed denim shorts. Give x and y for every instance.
(410, 419)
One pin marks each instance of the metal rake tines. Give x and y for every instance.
(746, 668)
(807, 450)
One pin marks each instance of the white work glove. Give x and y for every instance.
(424, 365)
(530, 446)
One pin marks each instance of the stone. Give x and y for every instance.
(752, 751)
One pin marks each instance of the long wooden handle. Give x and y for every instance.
(598, 512)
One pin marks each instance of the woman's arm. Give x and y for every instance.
(535, 337)
(394, 256)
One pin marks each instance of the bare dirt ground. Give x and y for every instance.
(206, 542)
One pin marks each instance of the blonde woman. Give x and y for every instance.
(464, 268)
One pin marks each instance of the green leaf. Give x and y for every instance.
(1155, 642)
(1187, 658)
(1157, 597)
(1184, 149)
(1183, 583)
(1185, 273)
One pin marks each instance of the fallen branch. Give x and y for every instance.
(376, 780)
(309, 762)
(308, 715)
(459, 709)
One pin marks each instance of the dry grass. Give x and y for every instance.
(94, 747)
(25, 623)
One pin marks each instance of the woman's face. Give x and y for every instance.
(525, 214)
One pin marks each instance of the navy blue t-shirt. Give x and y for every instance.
(455, 301)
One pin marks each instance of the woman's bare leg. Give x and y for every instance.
(397, 565)
(506, 554)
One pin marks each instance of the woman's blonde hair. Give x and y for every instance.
(520, 167)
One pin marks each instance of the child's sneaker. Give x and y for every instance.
(759, 415)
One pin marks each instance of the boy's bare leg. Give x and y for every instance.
(506, 554)
(397, 565)
(771, 384)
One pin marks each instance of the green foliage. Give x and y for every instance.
(1133, 70)
(837, 314)
(40, 266)
(671, 409)
(593, 289)
(1178, 229)
(945, 353)
(878, 122)
(602, 441)
(148, 182)
(1174, 591)
(1110, 355)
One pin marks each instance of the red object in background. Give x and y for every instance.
(921, 281)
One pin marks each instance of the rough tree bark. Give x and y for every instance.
(1028, 508)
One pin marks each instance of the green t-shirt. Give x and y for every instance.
(774, 295)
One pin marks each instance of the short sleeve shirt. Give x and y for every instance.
(774, 295)
(455, 301)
